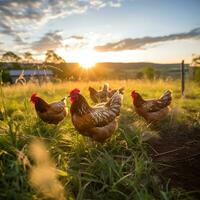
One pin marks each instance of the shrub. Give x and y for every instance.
(149, 73)
(139, 75)
(6, 76)
(197, 74)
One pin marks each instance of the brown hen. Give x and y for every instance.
(51, 113)
(102, 95)
(152, 110)
(98, 122)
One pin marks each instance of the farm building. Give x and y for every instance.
(26, 75)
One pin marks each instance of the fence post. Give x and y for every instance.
(182, 79)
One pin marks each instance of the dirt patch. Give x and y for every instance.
(178, 158)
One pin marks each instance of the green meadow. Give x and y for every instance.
(140, 161)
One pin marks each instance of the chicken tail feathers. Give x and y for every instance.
(115, 103)
(121, 90)
(64, 100)
(93, 94)
(92, 90)
(106, 87)
(166, 98)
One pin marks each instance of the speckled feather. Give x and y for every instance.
(157, 104)
(51, 113)
(97, 122)
(154, 110)
(102, 95)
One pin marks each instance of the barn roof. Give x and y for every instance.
(29, 72)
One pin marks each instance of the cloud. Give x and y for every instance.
(138, 43)
(103, 3)
(66, 46)
(7, 30)
(51, 40)
(75, 46)
(76, 37)
(18, 17)
(74, 42)
(1, 52)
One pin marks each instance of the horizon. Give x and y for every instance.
(110, 62)
(96, 31)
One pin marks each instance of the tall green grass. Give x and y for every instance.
(118, 169)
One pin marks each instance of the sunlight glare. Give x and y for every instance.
(87, 59)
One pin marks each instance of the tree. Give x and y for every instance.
(28, 57)
(149, 72)
(6, 76)
(10, 57)
(139, 75)
(197, 74)
(196, 60)
(196, 67)
(52, 57)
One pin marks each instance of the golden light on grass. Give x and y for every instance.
(43, 175)
(87, 59)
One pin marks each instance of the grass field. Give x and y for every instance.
(128, 166)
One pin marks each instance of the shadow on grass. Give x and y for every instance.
(118, 169)
(177, 151)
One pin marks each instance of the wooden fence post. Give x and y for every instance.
(182, 79)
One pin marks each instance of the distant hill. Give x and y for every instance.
(106, 70)
(130, 70)
(140, 65)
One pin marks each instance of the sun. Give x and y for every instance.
(86, 63)
(87, 59)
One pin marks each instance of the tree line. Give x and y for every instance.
(27, 57)
(73, 71)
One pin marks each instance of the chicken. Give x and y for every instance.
(152, 110)
(102, 95)
(111, 92)
(99, 96)
(51, 113)
(98, 122)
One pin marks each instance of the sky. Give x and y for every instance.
(161, 31)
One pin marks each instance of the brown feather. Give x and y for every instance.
(93, 95)
(97, 122)
(102, 95)
(153, 110)
(41, 105)
(50, 113)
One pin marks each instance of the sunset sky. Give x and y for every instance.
(161, 31)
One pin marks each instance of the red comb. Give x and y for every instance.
(34, 95)
(133, 93)
(75, 91)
